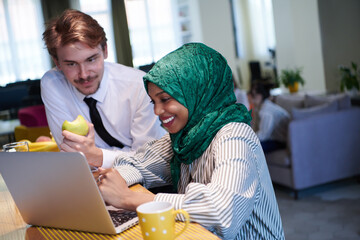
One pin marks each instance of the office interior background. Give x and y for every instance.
(316, 35)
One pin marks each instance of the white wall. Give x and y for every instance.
(340, 30)
(298, 40)
(212, 25)
(297, 31)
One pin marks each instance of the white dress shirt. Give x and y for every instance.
(227, 190)
(241, 97)
(273, 122)
(123, 104)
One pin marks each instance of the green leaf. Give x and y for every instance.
(289, 76)
(349, 77)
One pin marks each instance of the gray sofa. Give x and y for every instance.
(323, 142)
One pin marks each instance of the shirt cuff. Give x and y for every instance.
(176, 200)
(130, 174)
(108, 158)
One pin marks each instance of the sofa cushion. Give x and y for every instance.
(298, 114)
(344, 101)
(312, 100)
(288, 102)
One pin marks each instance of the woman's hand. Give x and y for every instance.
(116, 192)
(85, 144)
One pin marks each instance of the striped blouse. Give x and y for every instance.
(227, 190)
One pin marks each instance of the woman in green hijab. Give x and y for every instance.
(211, 155)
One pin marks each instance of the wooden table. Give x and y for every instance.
(12, 226)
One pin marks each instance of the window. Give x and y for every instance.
(260, 25)
(23, 55)
(152, 29)
(101, 11)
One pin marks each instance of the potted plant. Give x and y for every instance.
(291, 78)
(349, 81)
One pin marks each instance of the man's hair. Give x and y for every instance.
(261, 88)
(73, 26)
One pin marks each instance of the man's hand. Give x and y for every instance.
(85, 144)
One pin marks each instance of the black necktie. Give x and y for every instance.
(99, 126)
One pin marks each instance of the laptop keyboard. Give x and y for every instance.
(121, 216)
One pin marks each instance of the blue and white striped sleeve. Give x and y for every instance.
(149, 165)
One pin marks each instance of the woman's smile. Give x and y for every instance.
(172, 114)
(167, 120)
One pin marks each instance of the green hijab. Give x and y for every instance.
(199, 78)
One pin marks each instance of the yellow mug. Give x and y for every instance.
(157, 220)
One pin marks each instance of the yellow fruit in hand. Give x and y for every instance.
(78, 126)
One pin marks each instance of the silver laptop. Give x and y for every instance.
(57, 189)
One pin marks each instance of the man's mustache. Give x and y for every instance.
(82, 80)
